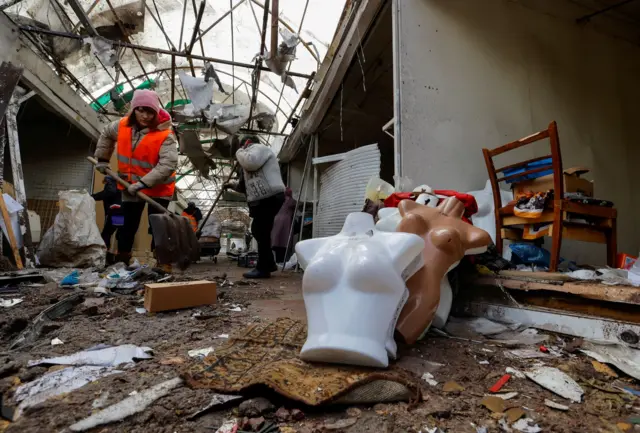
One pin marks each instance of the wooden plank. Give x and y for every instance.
(511, 234)
(514, 220)
(602, 292)
(11, 236)
(584, 234)
(539, 275)
(584, 209)
(18, 179)
(519, 143)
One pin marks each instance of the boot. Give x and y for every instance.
(124, 258)
(255, 273)
(111, 259)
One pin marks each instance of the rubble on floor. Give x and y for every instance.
(476, 376)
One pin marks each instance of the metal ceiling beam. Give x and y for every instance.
(256, 75)
(158, 22)
(82, 17)
(244, 82)
(8, 4)
(284, 23)
(224, 15)
(88, 11)
(196, 27)
(31, 29)
(587, 18)
(125, 33)
(304, 15)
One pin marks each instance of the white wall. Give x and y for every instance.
(479, 74)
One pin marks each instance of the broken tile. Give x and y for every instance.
(514, 414)
(452, 387)
(494, 404)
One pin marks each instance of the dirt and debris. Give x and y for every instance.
(49, 312)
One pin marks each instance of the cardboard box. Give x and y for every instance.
(174, 296)
(572, 183)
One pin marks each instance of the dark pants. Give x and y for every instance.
(107, 231)
(132, 211)
(280, 252)
(263, 213)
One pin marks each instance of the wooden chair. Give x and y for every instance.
(604, 231)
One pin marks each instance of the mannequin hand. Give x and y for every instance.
(134, 188)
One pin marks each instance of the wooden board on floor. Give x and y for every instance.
(590, 290)
(556, 276)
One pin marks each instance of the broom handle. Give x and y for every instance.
(215, 202)
(126, 184)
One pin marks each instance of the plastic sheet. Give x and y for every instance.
(74, 240)
(199, 91)
(102, 357)
(229, 118)
(103, 50)
(127, 407)
(58, 382)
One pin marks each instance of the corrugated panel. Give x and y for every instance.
(342, 188)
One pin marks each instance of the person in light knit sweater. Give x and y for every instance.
(262, 183)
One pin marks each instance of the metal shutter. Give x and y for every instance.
(342, 188)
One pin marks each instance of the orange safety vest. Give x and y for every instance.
(134, 165)
(192, 220)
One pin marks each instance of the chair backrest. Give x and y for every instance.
(556, 163)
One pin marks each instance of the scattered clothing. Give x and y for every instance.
(583, 199)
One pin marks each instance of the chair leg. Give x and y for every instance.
(499, 240)
(612, 245)
(556, 240)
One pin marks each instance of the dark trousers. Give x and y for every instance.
(107, 231)
(280, 252)
(132, 211)
(263, 213)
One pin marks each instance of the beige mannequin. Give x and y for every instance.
(447, 239)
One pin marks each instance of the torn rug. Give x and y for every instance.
(267, 354)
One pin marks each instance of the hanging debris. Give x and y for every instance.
(199, 91)
(279, 63)
(209, 73)
(265, 121)
(228, 118)
(103, 50)
(190, 145)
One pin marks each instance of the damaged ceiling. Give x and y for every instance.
(149, 34)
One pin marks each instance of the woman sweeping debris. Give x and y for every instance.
(147, 158)
(262, 183)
